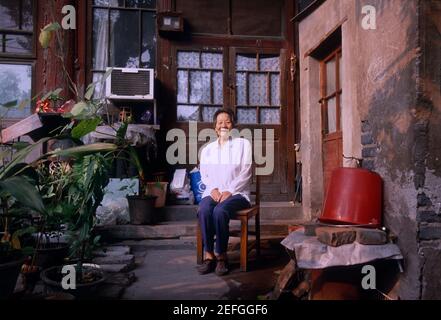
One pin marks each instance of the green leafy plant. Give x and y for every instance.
(87, 183)
(72, 197)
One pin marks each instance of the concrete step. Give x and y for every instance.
(280, 210)
(180, 229)
(268, 210)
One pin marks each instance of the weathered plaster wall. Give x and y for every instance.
(312, 31)
(380, 92)
(427, 154)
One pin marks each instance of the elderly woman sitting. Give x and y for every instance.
(225, 167)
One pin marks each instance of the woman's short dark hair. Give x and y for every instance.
(227, 111)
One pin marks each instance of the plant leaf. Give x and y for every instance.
(21, 155)
(121, 132)
(20, 145)
(47, 95)
(15, 242)
(23, 104)
(52, 26)
(137, 162)
(78, 108)
(44, 38)
(10, 104)
(89, 92)
(24, 192)
(84, 127)
(57, 92)
(107, 74)
(86, 149)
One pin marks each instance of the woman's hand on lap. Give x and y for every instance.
(225, 195)
(215, 195)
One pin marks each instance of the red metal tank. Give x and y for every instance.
(354, 196)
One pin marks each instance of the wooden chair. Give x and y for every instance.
(244, 216)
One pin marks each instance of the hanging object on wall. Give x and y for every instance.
(293, 67)
(170, 21)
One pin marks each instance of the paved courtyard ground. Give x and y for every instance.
(165, 269)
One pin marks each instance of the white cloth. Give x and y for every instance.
(227, 167)
(312, 254)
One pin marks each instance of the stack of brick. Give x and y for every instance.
(337, 236)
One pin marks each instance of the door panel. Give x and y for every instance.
(258, 94)
(331, 92)
(332, 156)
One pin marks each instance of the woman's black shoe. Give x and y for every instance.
(207, 266)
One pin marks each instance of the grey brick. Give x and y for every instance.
(369, 152)
(423, 200)
(428, 232)
(365, 126)
(368, 164)
(428, 216)
(367, 139)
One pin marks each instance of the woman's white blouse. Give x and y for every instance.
(227, 167)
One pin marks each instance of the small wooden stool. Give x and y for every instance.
(243, 216)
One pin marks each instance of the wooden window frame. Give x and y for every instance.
(91, 7)
(3, 32)
(10, 120)
(337, 94)
(234, 51)
(21, 59)
(224, 71)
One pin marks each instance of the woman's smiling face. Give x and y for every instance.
(223, 124)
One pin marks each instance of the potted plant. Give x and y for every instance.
(52, 248)
(18, 196)
(88, 178)
(158, 189)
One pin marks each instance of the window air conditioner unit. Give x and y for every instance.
(130, 84)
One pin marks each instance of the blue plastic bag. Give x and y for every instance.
(196, 185)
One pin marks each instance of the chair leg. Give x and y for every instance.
(257, 228)
(199, 245)
(244, 245)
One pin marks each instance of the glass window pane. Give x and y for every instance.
(340, 108)
(100, 38)
(186, 113)
(330, 77)
(109, 3)
(246, 115)
(15, 84)
(183, 86)
(269, 63)
(150, 4)
(332, 116)
(270, 116)
(28, 21)
(258, 89)
(148, 55)
(246, 62)
(275, 90)
(18, 44)
(188, 59)
(241, 87)
(124, 39)
(200, 87)
(208, 113)
(9, 14)
(340, 73)
(218, 94)
(99, 88)
(211, 60)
